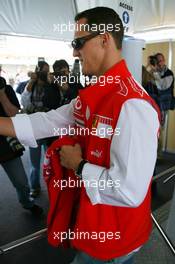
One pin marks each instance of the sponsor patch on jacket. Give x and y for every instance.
(102, 126)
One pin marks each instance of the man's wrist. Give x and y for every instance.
(77, 164)
(80, 167)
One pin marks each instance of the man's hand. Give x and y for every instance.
(33, 76)
(71, 156)
(154, 68)
(31, 82)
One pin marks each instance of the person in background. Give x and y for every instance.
(164, 77)
(60, 92)
(42, 66)
(164, 80)
(32, 102)
(11, 151)
(61, 68)
(56, 94)
(21, 86)
(148, 80)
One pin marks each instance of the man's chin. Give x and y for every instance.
(86, 72)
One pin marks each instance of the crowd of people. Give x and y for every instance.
(41, 93)
(158, 81)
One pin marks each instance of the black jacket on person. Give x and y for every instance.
(53, 98)
(6, 152)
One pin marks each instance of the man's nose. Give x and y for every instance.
(76, 53)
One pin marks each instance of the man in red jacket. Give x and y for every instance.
(117, 125)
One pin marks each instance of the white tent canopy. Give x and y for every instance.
(154, 14)
(42, 18)
(36, 18)
(154, 20)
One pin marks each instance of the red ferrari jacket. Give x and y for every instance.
(63, 198)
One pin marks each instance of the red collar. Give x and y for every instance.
(120, 69)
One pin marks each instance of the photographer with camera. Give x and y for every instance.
(69, 81)
(11, 151)
(56, 95)
(148, 81)
(164, 81)
(164, 77)
(61, 91)
(32, 101)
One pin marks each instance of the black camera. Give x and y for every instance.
(42, 76)
(153, 60)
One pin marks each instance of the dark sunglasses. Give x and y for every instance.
(78, 43)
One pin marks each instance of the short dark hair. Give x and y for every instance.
(41, 65)
(104, 16)
(59, 64)
(160, 54)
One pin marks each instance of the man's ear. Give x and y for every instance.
(105, 38)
